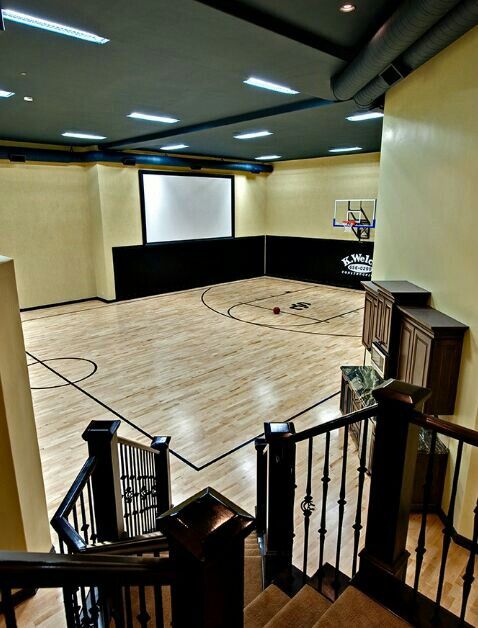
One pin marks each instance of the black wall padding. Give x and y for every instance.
(411, 20)
(450, 28)
(333, 262)
(156, 268)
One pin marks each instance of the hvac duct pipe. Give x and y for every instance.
(408, 23)
(450, 28)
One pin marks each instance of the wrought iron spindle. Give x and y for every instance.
(323, 517)
(448, 529)
(84, 521)
(152, 491)
(307, 506)
(128, 608)
(362, 470)
(421, 544)
(468, 576)
(91, 508)
(75, 518)
(8, 608)
(135, 495)
(142, 489)
(341, 502)
(125, 489)
(143, 616)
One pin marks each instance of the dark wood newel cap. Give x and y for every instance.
(395, 390)
(277, 430)
(206, 523)
(101, 429)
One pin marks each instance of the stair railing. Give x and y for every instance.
(195, 578)
(119, 493)
(380, 568)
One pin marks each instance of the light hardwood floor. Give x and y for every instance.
(207, 367)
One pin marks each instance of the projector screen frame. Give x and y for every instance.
(142, 172)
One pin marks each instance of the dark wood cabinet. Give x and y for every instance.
(371, 318)
(430, 353)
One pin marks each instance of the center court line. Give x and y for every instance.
(139, 429)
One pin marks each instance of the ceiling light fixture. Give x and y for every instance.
(54, 27)
(151, 118)
(28, 98)
(5, 94)
(360, 116)
(250, 135)
(267, 157)
(174, 147)
(346, 149)
(83, 136)
(347, 8)
(274, 87)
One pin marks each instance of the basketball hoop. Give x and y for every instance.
(348, 225)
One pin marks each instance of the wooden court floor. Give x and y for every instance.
(206, 366)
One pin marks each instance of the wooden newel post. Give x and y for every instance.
(281, 494)
(393, 470)
(102, 440)
(162, 472)
(206, 544)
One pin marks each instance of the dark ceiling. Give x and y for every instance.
(188, 59)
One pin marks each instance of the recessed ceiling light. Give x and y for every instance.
(5, 94)
(23, 73)
(150, 118)
(83, 136)
(174, 146)
(275, 87)
(364, 115)
(268, 157)
(347, 8)
(251, 135)
(345, 149)
(54, 27)
(28, 98)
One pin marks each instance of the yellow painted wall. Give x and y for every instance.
(301, 194)
(45, 227)
(24, 522)
(428, 196)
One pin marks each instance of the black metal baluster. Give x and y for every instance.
(421, 544)
(128, 609)
(154, 492)
(62, 546)
(143, 492)
(307, 506)
(69, 602)
(323, 517)
(91, 508)
(448, 529)
(341, 502)
(130, 490)
(468, 576)
(362, 470)
(8, 608)
(84, 522)
(75, 518)
(136, 506)
(84, 606)
(143, 617)
(124, 489)
(94, 608)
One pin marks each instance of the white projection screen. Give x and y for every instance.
(186, 207)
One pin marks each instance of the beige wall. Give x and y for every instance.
(45, 227)
(301, 194)
(428, 197)
(23, 513)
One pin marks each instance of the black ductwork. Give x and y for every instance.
(22, 155)
(409, 22)
(450, 28)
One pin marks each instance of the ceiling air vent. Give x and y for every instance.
(391, 75)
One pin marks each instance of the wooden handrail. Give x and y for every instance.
(458, 432)
(335, 424)
(135, 445)
(43, 571)
(144, 544)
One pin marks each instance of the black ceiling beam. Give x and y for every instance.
(310, 103)
(280, 27)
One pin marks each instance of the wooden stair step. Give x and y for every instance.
(263, 608)
(303, 610)
(354, 608)
(252, 578)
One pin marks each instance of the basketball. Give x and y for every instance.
(276, 310)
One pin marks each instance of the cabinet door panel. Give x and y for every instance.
(405, 351)
(420, 362)
(386, 324)
(367, 332)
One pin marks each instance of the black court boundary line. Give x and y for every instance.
(173, 452)
(95, 368)
(296, 331)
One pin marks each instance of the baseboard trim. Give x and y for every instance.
(457, 538)
(48, 305)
